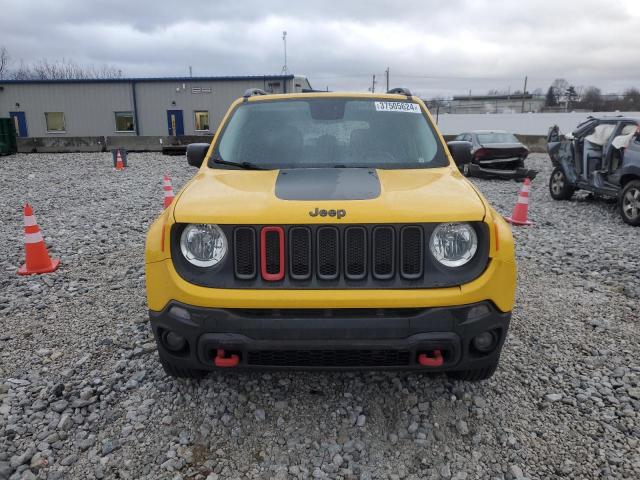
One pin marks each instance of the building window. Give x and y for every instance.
(55, 121)
(202, 121)
(124, 122)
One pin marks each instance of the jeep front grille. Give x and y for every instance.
(328, 253)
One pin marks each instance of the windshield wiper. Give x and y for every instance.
(245, 165)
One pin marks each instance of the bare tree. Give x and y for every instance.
(68, 69)
(4, 61)
(631, 98)
(559, 87)
(63, 70)
(23, 72)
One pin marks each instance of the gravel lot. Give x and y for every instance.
(82, 394)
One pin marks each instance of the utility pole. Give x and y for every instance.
(524, 91)
(190, 71)
(387, 75)
(373, 84)
(285, 70)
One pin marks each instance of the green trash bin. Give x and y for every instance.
(8, 144)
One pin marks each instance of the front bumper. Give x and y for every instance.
(495, 172)
(330, 338)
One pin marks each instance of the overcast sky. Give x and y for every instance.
(433, 47)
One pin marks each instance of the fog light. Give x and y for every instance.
(485, 341)
(174, 341)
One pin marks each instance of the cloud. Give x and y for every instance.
(434, 47)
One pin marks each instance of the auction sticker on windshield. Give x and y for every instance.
(397, 107)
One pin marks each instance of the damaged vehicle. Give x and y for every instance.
(495, 154)
(601, 156)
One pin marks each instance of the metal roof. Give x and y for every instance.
(154, 79)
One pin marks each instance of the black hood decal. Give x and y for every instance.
(327, 184)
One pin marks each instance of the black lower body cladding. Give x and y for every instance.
(332, 338)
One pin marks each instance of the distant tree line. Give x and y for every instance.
(44, 69)
(562, 95)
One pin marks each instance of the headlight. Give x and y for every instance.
(203, 245)
(453, 244)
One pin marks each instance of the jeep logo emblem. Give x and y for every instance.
(328, 213)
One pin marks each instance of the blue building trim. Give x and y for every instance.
(135, 108)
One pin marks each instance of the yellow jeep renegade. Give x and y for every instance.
(329, 230)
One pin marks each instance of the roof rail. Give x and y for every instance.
(401, 91)
(250, 92)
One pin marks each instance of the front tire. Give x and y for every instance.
(475, 374)
(559, 187)
(629, 203)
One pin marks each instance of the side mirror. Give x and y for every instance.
(196, 153)
(460, 151)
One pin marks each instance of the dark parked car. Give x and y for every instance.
(495, 154)
(601, 156)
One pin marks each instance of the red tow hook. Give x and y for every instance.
(435, 361)
(225, 362)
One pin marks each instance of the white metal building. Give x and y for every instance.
(53, 110)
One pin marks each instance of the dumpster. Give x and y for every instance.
(8, 143)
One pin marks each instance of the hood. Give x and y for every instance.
(293, 197)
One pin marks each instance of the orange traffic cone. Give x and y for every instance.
(520, 211)
(168, 191)
(37, 257)
(119, 162)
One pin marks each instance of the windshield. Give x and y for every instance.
(497, 137)
(330, 132)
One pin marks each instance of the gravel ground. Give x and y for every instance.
(82, 394)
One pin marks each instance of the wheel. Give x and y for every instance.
(475, 374)
(629, 203)
(559, 187)
(178, 372)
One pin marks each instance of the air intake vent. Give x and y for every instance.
(383, 252)
(300, 253)
(355, 253)
(328, 253)
(244, 246)
(411, 252)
